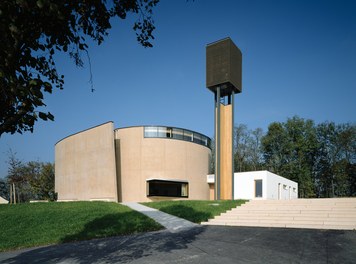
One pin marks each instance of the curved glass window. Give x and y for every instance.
(176, 133)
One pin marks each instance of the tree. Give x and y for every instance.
(289, 150)
(212, 157)
(274, 146)
(334, 166)
(14, 177)
(240, 149)
(256, 159)
(32, 31)
(41, 180)
(4, 189)
(33, 180)
(247, 148)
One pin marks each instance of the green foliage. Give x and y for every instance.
(195, 211)
(33, 31)
(289, 150)
(335, 160)
(33, 180)
(27, 225)
(247, 148)
(4, 192)
(319, 157)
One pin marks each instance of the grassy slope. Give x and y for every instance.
(195, 211)
(27, 225)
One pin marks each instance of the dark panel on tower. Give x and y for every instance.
(224, 67)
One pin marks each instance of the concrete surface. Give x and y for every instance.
(170, 222)
(319, 213)
(202, 244)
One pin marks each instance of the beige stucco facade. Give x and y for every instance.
(85, 166)
(106, 164)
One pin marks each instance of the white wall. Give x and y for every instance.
(244, 184)
(280, 187)
(272, 186)
(3, 201)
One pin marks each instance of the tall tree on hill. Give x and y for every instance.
(289, 150)
(41, 180)
(336, 158)
(15, 177)
(274, 147)
(33, 180)
(32, 31)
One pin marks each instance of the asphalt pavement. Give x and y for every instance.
(202, 244)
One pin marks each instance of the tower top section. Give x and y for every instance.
(224, 67)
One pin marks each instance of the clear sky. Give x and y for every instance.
(299, 58)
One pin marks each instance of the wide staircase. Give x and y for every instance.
(331, 213)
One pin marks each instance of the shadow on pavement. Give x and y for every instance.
(123, 249)
(208, 244)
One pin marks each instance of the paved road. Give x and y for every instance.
(203, 244)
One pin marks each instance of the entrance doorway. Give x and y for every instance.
(258, 188)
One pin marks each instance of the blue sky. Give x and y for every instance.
(299, 58)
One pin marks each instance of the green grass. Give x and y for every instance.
(27, 225)
(195, 211)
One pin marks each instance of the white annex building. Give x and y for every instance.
(3, 201)
(262, 185)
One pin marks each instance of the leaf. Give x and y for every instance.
(43, 116)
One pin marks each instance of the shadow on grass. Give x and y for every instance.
(113, 225)
(187, 213)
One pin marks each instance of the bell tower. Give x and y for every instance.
(223, 78)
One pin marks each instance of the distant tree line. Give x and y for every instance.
(320, 157)
(33, 180)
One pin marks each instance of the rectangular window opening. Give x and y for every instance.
(167, 188)
(151, 131)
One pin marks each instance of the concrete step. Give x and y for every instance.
(287, 225)
(325, 213)
(289, 221)
(311, 200)
(334, 213)
(287, 218)
(298, 208)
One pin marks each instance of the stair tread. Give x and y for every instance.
(334, 213)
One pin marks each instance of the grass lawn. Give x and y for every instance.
(27, 225)
(195, 211)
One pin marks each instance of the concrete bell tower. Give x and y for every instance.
(223, 78)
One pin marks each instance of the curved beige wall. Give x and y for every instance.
(85, 165)
(139, 159)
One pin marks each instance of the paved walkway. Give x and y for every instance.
(172, 223)
(207, 244)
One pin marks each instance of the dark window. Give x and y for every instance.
(177, 133)
(167, 188)
(197, 139)
(258, 188)
(188, 135)
(164, 132)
